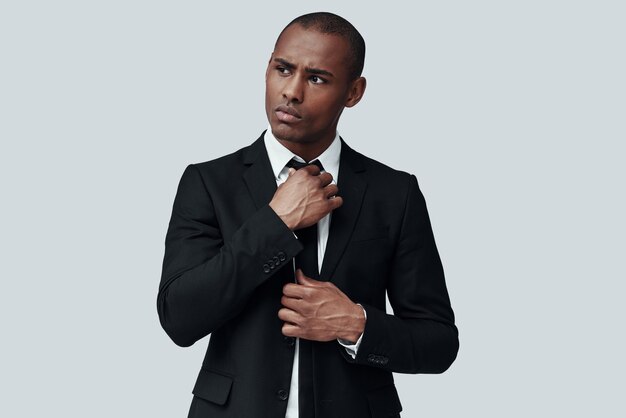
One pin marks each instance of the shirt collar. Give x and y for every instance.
(279, 155)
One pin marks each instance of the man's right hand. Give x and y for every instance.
(305, 197)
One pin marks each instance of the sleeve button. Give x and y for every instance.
(282, 394)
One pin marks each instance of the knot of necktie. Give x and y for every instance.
(293, 163)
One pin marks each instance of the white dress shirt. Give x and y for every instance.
(279, 156)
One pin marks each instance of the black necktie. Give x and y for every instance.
(293, 163)
(306, 260)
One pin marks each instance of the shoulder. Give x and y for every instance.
(231, 164)
(224, 163)
(378, 173)
(384, 170)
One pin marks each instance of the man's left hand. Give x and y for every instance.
(319, 311)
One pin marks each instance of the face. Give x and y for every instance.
(307, 86)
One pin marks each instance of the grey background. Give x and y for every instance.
(511, 114)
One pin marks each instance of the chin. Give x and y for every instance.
(285, 133)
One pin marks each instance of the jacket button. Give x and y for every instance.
(282, 256)
(266, 268)
(282, 394)
(276, 260)
(290, 341)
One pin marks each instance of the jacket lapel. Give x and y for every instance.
(258, 176)
(352, 186)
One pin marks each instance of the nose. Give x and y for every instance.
(293, 90)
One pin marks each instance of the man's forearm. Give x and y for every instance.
(195, 302)
(206, 278)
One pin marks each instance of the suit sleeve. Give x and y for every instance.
(207, 280)
(420, 337)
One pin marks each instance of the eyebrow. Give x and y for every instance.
(316, 71)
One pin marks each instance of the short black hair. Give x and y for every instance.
(330, 23)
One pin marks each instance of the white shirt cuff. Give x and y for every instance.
(352, 349)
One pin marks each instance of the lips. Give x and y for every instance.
(287, 114)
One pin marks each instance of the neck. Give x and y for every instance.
(308, 151)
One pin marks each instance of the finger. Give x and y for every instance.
(301, 277)
(331, 190)
(291, 330)
(294, 304)
(325, 179)
(311, 169)
(291, 171)
(335, 202)
(307, 281)
(292, 290)
(289, 316)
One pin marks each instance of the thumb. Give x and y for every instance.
(291, 171)
(301, 278)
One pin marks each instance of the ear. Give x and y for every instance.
(357, 89)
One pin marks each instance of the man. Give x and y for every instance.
(286, 264)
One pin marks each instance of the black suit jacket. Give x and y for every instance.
(228, 255)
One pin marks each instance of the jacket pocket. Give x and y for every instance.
(384, 402)
(213, 386)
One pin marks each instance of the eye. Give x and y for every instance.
(282, 70)
(317, 79)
